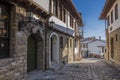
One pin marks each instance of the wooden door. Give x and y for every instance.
(31, 54)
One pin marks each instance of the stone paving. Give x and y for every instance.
(86, 69)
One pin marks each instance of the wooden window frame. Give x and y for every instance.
(116, 11)
(56, 8)
(64, 15)
(112, 17)
(71, 21)
(60, 9)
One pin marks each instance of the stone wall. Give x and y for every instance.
(106, 55)
(65, 52)
(116, 42)
(78, 54)
(15, 67)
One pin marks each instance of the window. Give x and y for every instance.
(67, 43)
(111, 17)
(64, 15)
(56, 8)
(60, 7)
(61, 42)
(116, 12)
(4, 30)
(71, 43)
(71, 21)
(116, 36)
(108, 21)
(105, 50)
(102, 49)
(83, 45)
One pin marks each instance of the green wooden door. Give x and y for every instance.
(31, 54)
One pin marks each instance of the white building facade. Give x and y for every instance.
(93, 47)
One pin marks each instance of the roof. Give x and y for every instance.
(90, 41)
(102, 45)
(106, 9)
(87, 41)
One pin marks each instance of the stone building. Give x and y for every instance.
(61, 34)
(22, 38)
(36, 35)
(77, 39)
(111, 14)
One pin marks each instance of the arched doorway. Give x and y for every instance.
(53, 49)
(31, 53)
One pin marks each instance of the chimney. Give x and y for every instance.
(99, 37)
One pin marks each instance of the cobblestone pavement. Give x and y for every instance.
(86, 69)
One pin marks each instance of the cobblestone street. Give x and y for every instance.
(86, 69)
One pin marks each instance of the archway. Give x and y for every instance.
(31, 53)
(53, 49)
(35, 58)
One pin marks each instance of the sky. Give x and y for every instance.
(91, 10)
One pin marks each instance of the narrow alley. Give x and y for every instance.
(59, 39)
(86, 69)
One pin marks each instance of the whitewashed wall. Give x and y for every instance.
(57, 21)
(60, 25)
(93, 47)
(116, 24)
(43, 3)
